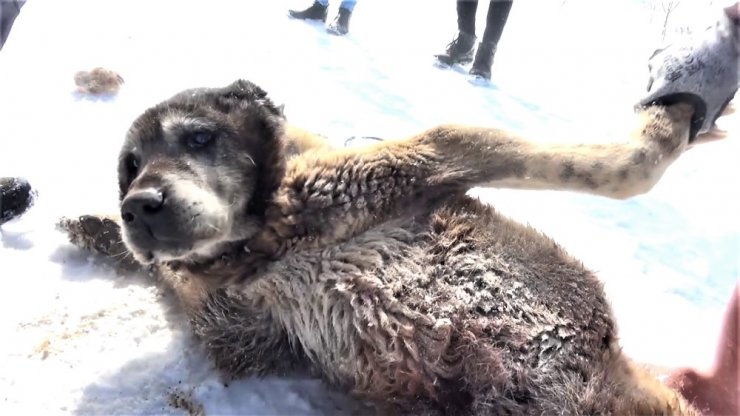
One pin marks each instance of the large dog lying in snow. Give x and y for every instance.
(371, 267)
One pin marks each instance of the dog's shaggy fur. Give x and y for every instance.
(98, 81)
(371, 267)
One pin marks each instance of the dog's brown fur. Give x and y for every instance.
(98, 81)
(372, 268)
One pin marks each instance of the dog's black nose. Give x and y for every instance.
(141, 204)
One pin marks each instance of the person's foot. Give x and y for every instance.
(483, 60)
(317, 11)
(16, 197)
(459, 51)
(340, 25)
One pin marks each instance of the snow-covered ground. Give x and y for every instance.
(76, 338)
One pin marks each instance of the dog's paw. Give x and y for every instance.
(100, 234)
(97, 233)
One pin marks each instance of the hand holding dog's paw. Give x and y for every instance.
(701, 70)
(720, 130)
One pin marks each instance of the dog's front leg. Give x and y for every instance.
(100, 234)
(329, 196)
(495, 158)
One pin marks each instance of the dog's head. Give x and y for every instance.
(196, 170)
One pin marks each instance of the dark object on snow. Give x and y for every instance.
(317, 11)
(9, 10)
(460, 51)
(340, 26)
(483, 60)
(701, 70)
(98, 81)
(16, 197)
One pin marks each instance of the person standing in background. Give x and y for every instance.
(319, 10)
(460, 50)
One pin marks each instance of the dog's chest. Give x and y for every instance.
(327, 297)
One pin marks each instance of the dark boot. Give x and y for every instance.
(459, 51)
(483, 60)
(16, 197)
(340, 26)
(317, 11)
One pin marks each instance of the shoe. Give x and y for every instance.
(459, 51)
(317, 11)
(483, 61)
(340, 25)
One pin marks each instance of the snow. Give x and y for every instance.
(77, 338)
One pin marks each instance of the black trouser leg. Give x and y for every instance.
(9, 10)
(498, 13)
(466, 15)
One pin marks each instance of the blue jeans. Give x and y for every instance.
(346, 4)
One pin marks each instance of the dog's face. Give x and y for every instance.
(195, 171)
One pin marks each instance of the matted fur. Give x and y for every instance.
(98, 81)
(373, 269)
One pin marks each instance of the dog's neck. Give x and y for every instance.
(233, 261)
(232, 268)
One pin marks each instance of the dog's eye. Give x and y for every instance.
(199, 139)
(132, 165)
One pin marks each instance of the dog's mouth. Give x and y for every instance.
(151, 249)
(160, 254)
(172, 232)
(184, 230)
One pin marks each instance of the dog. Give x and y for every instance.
(371, 267)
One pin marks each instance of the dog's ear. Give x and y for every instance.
(263, 121)
(243, 93)
(243, 90)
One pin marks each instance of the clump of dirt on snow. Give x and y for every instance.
(185, 401)
(98, 81)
